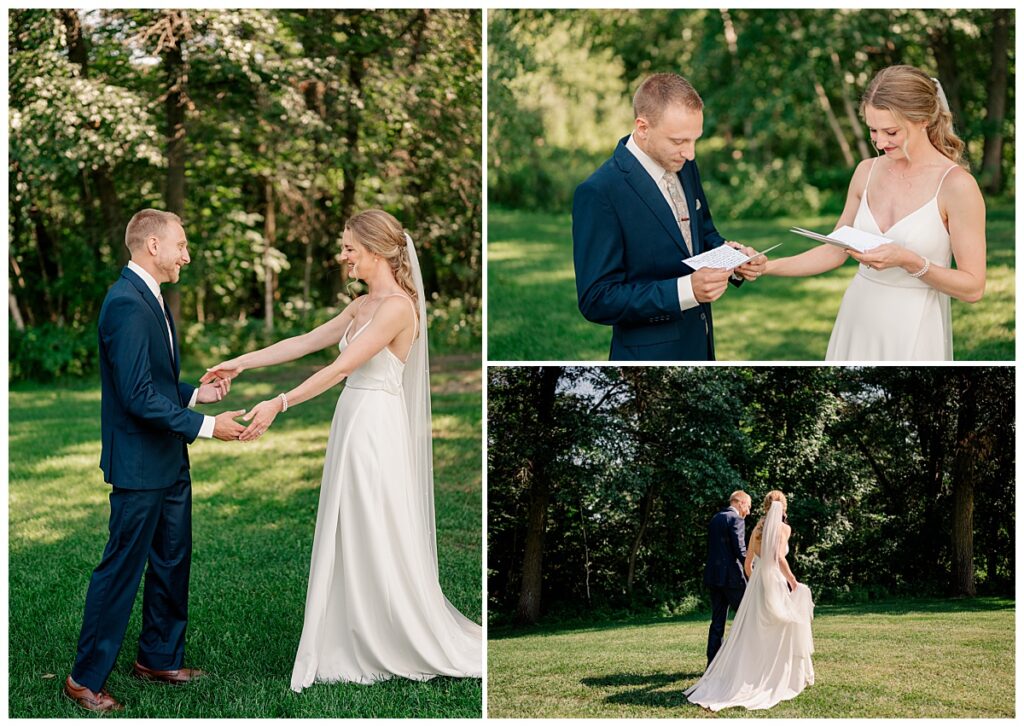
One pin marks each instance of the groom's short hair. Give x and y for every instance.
(147, 223)
(661, 90)
(739, 496)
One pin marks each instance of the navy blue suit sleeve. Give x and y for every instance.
(127, 341)
(604, 294)
(186, 391)
(739, 547)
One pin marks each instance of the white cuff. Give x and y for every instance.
(206, 431)
(192, 401)
(684, 287)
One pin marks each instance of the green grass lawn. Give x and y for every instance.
(254, 511)
(909, 658)
(532, 313)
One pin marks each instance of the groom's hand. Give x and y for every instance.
(752, 269)
(226, 428)
(709, 283)
(213, 392)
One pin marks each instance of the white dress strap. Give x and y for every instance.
(415, 321)
(945, 174)
(871, 170)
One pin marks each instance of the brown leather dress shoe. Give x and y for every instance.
(90, 700)
(174, 676)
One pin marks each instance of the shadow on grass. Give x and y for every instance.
(651, 690)
(894, 607)
(254, 513)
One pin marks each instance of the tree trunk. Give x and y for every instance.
(995, 112)
(353, 123)
(269, 233)
(111, 227)
(532, 581)
(944, 50)
(174, 109)
(973, 446)
(645, 517)
(851, 111)
(19, 322)
(833, 122)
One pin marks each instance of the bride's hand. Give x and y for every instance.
(226, 370)
(889, 255)
(260, 417)
(793, 584)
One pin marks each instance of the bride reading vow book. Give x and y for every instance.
(919, 194)
(374, 607)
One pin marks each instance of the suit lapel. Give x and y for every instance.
(154, 306)
(640, 181)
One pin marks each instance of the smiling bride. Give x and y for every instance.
(918, 193)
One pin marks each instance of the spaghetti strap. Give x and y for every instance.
(945, 174)
(871, 170)
(415, 321)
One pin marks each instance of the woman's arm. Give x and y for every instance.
(783, 563)
(389, 320)
(964, 207)
(823, 258)
(753, 549)
(289, 349)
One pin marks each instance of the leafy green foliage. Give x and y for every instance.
(643, 457)
(561, 83)
(294, 120)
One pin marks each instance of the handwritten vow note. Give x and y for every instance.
(724, 257)
(846, 237)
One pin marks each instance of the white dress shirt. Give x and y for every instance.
(684, 286)
(206, 430)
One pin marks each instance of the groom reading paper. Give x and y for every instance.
(637, 219)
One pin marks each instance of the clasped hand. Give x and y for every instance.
(214, 386)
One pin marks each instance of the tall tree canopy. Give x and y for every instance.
(782, 88)
(265, 129)
(601, 481)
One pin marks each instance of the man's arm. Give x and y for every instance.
(736, 540)
(127, 342)
(598, 253)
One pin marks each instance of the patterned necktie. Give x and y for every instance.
(680, 208)
(167, 318)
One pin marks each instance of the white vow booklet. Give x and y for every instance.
(846, 237)
(724, 257)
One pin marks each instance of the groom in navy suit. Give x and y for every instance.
(147, 424)
(637, 219)
(723, 574)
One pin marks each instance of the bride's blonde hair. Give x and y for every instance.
(383, 235)
(910, 94)
(774, 496)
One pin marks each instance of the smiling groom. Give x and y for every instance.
(637, 219)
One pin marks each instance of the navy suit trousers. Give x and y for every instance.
(722, 599)
(145, 525)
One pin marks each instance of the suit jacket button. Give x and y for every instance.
(703, 317)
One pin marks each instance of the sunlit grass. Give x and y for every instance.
(911, 658)
(533, 314)
(254, 512)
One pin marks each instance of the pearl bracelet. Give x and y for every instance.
(922, 271)
(284, 401)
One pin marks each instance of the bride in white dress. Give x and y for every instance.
(918, 193)
(374, 607)
(766, 658)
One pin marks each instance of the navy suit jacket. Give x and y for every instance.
(726, 551)
(145, 417)
(628, 252)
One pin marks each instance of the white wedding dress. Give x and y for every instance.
(766, 657)
(887, 315)
(374, 607)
